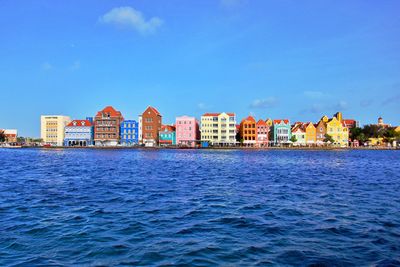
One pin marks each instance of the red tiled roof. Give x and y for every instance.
(261, 122)
(109, 109)
(216, 114)
(279, 121)
(80, 123)
(169, 128)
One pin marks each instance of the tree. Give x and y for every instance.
(328, 138)
(293, 139)
(2, 136)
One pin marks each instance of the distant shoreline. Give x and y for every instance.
(216, 148)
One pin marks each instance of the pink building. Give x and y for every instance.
(187, 131)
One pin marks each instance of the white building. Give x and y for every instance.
(52, 129)
(79, 133)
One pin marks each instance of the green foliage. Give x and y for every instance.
(2, 136)
(293, 139)
(328, 138)
(374, 131)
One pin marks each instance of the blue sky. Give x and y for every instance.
(273, 59)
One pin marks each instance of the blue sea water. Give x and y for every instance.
(199, 208)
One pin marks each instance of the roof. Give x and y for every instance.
(168, 128)
(298, 127)
(154, 110)
(286, 121)
(9, 131)
(80, 123)
(216, 114)
(109, 109)
(261, 122)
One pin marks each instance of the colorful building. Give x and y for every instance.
(150, 125)
(129, 133)
(10, 135)
(52, 129)
(281, 131)
(262, 133)
(311, 133)
(298, 131)
(336, 129)
(218, 128)
(107, 127)
(320, 128)
(167, 135)
(248, 131)
(79, 133)
(187, 131)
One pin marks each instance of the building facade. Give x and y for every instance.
(281, 131)
(262, 133)
(151, 121)
(129, 133)
(10, 135)
(79, 133)
(187, 131)
(248, 131)
(311, 133)
(320, 128)
(52, 129)
(298, 131)
(338, 132)
(167, 135)
(218, 129)
(107, 127)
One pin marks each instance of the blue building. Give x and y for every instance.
(129, 133)
(78, 133)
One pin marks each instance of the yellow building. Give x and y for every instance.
(218, 128)
(397, 129)
(338, 132)
(311, 133)
(52, 129)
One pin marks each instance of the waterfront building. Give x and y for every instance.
(79, 133)
(151, 121)
(262, 133)
(281, 131)
(336, 129)
(397, 129)
(248, 131)
(218, 128)
(311, 133)
(129, 133)
(107, 127)
(321, 130)
(350, 123)
(187, 131)
(167, 135)
(298, 131)
(52, 129)
(382, 124)
(10, 135)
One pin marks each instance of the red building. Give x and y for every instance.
(150, 125)
(107, 126)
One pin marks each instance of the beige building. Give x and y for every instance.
(218, 128)
(52, 129)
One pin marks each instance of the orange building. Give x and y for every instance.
(248, 131)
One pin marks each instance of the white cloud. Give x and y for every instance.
(131, 18)
(264, 103)
(46, 66)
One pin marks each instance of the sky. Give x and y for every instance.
(272, 59)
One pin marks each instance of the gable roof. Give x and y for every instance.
(216, 114)
(153, 109)
(80, 123)
(261, 122)
(286, 121)
(109, 110)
